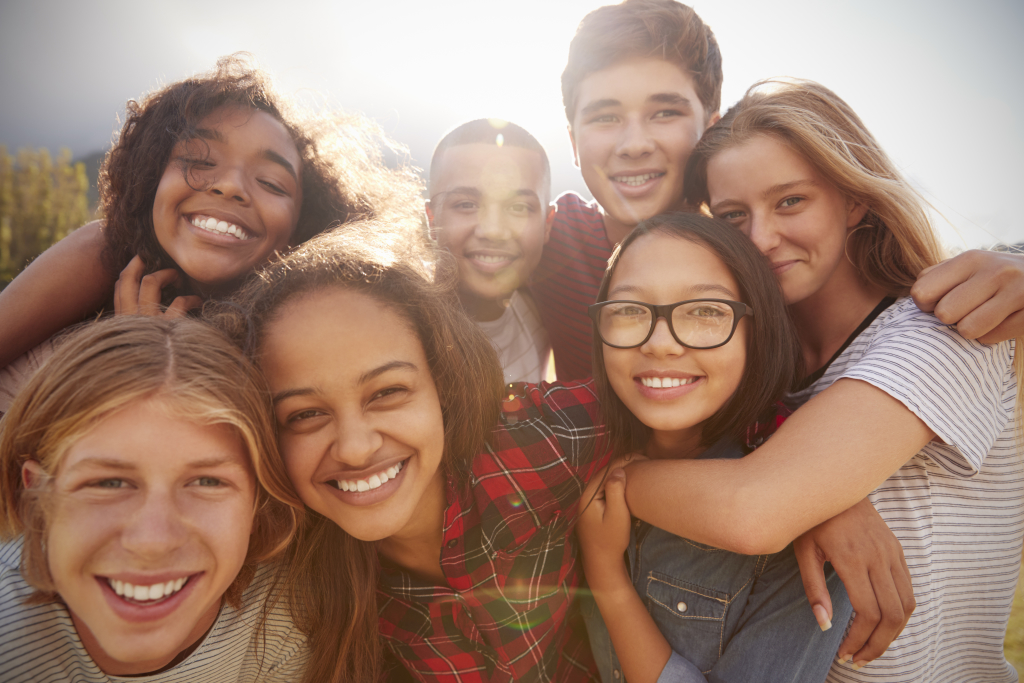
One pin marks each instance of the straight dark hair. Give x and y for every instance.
(773, 353)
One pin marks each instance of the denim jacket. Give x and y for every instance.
(727, 617)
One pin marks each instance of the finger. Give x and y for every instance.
(182, 305)
(937, 281)
(151, 288)
(865, 604)
(615, 492)
(118, 309)
(1011, 328)
(891, 620)
(812, 573)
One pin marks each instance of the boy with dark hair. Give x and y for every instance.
(642, 83)
(490, 188)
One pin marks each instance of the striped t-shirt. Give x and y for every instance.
(520, 340)
(566, 281)
(39, 643)
(957, 507)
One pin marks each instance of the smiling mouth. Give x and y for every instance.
(217, 227)
(374, 481)
(636, 180)
(147, 595)
(666, 382)
(490, 259)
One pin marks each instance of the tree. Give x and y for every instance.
(40, 203)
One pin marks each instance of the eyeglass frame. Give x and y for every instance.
(739, 311)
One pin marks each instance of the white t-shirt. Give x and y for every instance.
(521, 340)
(39, 643)
(957, 507)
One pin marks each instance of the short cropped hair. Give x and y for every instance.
(489, 132)
(634, 29)
(106, 366)
(773, 352)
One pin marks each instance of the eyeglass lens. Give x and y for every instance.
(699, 324)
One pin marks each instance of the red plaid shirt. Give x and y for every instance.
(508, 553)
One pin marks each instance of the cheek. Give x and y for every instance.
(617, 365)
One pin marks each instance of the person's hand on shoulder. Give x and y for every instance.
(981, 292)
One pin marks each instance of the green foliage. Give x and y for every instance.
(41, 201)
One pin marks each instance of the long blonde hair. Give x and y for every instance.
(895, 241)
(106, 366)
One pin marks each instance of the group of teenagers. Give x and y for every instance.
(313, 441)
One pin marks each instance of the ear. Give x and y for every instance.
(32, 475)
(549, 220)
(432, 228)
(712, 120)
(572, 141)
(854, 214)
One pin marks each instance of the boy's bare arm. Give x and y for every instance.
(981, 292)
(63, 286)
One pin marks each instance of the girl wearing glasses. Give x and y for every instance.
(692, 345)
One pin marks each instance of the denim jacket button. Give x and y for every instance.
(681, 606)
(616, 674)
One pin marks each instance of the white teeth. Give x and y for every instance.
(637, 179)
(147, 593)
(372, 482)
(665, 382)
(219, 227)
(490, 259)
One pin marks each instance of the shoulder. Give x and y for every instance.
(576, 212)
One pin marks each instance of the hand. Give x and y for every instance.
(138, 294)
(981, 292)
(869, 560)
(603, 526)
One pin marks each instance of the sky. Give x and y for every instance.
(937, 82)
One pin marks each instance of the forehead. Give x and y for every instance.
(757, 163)
(332, 336)
(489, 169)
(154, 435)
(669, 269)
(636, 81)
(250, 129)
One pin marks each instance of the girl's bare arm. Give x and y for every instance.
(64, 285)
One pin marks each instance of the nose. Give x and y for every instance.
(636, 140)
(662, 344)
(230, 182)
(356, 441)
(157, 526)
(764, 234)
(491, 224)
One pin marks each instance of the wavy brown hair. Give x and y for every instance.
(344, 177)
(773, 352)
(106, 366)
(332, 576)
(894, 242)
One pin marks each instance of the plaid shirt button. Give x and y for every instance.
(452, 543)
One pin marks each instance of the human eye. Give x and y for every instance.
(626, 310)
(303, 415)
(520, 209)
(108, 484)
(731, 216)
(709, 310)
(273, 187)
(668, 113)
(389, 393)
(208, 482)
(789, 202)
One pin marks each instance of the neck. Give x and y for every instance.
(483, 310)
(615, 230)
(674, 445)
(828, 317)
(417, 546)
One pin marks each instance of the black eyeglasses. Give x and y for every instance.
(695, 323)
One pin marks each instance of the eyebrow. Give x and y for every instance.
(474, 192)
(121, 465)
(661, 98)
(698, 289)
(363, 379)
(268, 154)
(770, 192)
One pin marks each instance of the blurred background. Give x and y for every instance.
(938, 82)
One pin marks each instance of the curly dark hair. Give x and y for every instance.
(344, 177)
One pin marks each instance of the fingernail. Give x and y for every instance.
(843, 659)
(859, 664)
(822, 616)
